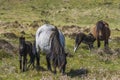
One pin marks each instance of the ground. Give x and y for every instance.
(23, 17)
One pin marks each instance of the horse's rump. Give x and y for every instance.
(101, 32)
(43, 37)
(58, 53)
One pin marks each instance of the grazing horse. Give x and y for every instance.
(25, 47)
(51, 41)
(101, 32)
(83, 38)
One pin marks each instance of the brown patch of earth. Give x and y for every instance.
(14, 24)
(6, 46)
(71, 31)
(9, 35)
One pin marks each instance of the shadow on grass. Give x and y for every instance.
(40, 68)
(78, 73)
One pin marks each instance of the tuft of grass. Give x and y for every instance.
(74, 12)
(3, 54)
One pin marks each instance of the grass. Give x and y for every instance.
(62, 12)
(74, 12)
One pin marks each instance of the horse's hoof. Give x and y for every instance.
(37, 67)
(49, 69)
(23, 70)
(54, 72)
(63, 73)
(33, 67)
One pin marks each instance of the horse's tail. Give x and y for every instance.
(99, 27)
(56, 48)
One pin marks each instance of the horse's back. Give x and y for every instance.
(43, 35)
(45, 27)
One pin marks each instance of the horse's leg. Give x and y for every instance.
(63, 70)
(106, 43)
(30, 62)
(24, 63)
(20, 60)
(48, 62)
(38, 58)
(32, 59)
(54, 69)
(90, 46)
(98, 43)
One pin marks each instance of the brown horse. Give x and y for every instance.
(101, 32)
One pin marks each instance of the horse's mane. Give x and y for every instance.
(56, 48)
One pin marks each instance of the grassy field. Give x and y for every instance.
(82, 65)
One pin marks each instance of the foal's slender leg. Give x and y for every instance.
(24, 63)
(32, 59)
(54, 69)
(98, 42)
(48, 62)
(20, 60)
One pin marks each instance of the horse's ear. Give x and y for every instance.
(22, 37)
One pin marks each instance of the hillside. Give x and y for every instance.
(61, 12)
(70, 16)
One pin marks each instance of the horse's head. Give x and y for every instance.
(21, 42)
(78, 40)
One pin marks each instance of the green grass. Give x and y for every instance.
(97, 65)
(78, 12)
(62, 12)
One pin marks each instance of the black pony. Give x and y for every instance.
(25, 47)
(83, 38)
